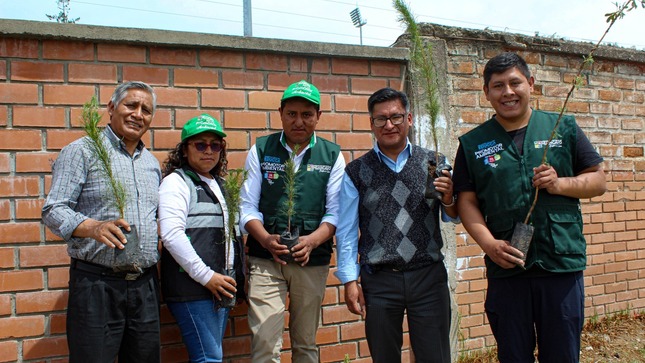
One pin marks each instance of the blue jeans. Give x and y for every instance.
(202, 328)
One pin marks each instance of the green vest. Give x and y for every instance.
(502, 179)
(311, 192)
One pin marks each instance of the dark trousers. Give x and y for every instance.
(109, 316)
(424, 295)
(551, 308)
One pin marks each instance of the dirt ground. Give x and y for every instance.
(619, 338)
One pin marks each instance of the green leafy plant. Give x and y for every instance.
(593, 321)
(291, 235)
(423, 63)
(578, 81)
(232, 186)
(425, 86)
(91, 119)
(290, 185)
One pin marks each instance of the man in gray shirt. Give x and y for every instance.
(113, 306)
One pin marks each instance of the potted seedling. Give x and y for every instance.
(232, 185)
(124, 259)
(523, 231)
(291, 235)
(423, 65)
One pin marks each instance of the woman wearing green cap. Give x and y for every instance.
(192, 221)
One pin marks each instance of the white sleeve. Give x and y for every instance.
(174, 200)
(250, 193)
(332, 207)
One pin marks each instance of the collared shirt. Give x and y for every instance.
(347, 230)
(250, 193)
(79, 191)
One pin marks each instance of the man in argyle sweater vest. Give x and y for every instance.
(401, 268)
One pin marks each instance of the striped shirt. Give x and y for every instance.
(79, 190)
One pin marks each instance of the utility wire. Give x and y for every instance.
(327, 19)
(159, 12)
(481, 26)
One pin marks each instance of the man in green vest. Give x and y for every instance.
(318, 166)
(539, 295)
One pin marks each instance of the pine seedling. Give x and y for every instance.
(578, 81)
(232, 186)
(422, 61)
(91, 119)
(290, 187)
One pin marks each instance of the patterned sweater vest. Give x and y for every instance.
(399, 226)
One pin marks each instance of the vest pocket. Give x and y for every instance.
(566, 233)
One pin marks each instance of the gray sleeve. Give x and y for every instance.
(68, 177)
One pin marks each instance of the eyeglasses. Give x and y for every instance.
(202, 146)
(381, 121)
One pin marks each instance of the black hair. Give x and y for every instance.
(503, 62)
(284, 102)
(387, 94)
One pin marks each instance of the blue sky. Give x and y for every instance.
(329, 20)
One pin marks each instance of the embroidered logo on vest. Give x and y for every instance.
(319, 168)
(489, 151)
(554, 143)
(271, 165)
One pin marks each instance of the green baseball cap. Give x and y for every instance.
(302, 89)
(202, 123)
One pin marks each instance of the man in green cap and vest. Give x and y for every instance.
(498, 170)
(319, 165)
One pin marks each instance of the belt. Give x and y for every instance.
(390, 268)
(106, 271)
(375, 268)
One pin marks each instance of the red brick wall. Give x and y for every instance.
(43, 85)
(610, 109)
(44, 81)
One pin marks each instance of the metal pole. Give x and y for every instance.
(248, 22)
(358, 21)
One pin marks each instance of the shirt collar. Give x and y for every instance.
(377, 150)
(283, 141)
(116, 140)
